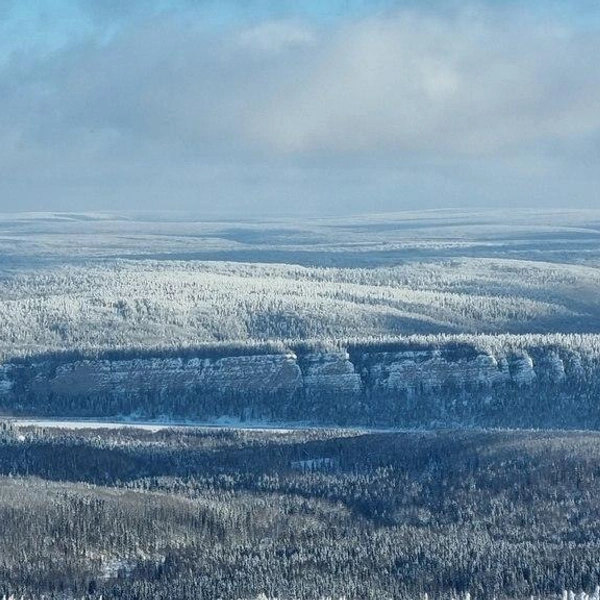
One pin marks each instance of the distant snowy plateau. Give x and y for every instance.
(439, 319)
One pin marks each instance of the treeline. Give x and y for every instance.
(452, 346)
(196, 514)
(449, 345)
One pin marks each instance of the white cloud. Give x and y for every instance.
(402, 99)
(409, 85)
(274, 37)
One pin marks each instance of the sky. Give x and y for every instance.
(257, 108)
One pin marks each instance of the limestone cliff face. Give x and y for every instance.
(417, 385)
(418, 371)
(427, 371)
(330, 373)
(276, 373)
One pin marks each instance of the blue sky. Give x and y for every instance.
(45, 25)
(327, 107)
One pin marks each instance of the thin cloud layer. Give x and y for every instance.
(381, 112)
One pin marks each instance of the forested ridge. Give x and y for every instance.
(142, 304)
(415, 381)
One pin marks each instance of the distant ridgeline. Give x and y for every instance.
(488, 381)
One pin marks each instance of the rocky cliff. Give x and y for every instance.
(513, 381)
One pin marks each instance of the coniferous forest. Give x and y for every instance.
(188, 513)
(398, 408)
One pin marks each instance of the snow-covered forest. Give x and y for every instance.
(191, 514)
(455, 325)
(150, 303)
(105, 315)
(69, 282)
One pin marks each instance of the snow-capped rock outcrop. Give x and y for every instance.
(277, 372)
(509, 384)
(421, 371)
(330, 373)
